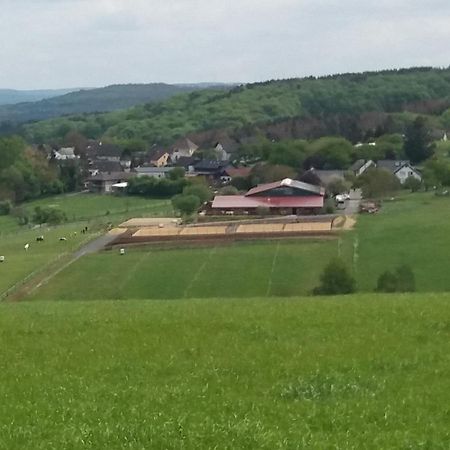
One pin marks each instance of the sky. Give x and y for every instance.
(90, 43)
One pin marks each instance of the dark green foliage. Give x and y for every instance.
(268, 173)
(330, 153)
(329, 206)
(436, 172)
(155, 187)
(109, 98)
(338, 186)
(270, 102)
(21, 214)
(199, 190)
(186, 204)
(228, 190)
(401, 280)
(418, 142)
(5, 207)
(335, 279)
(378, 183)
(25, 173)
(413, 184)
(52, 216)
(176, 173)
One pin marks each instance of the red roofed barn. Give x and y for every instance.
(282, 197)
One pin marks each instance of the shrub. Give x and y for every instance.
(5, 207)
(228, 190)
(413, 184)
(401, 280)
(199, 190)
(52, 216)
(21, 214)
(186, 204)
(335, 279)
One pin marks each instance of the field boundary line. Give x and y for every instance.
(199, 271)
(272, 270)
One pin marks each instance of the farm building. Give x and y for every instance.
(282, 197)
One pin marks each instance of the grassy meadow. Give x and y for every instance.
(361, 372)
(413, 229)
(95, 211)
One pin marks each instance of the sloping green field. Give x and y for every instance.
(362, 372)
(414, 230)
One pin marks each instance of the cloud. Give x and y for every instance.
(55, 43)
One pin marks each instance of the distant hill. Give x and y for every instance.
(345, 104)
(12, 96)
(105, 99)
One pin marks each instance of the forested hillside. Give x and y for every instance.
(13, 96)
(105, 99)
(334, 105)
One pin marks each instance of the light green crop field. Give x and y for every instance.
(361, 372)
(414, 229)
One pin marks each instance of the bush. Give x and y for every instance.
(199, 190)
(413, 184)
(335, 280)
(52, 216)
(186, 204)
(401, 280)
(228, 190)
(329, 207)
(5, 207)
(21, 214)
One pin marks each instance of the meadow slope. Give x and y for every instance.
(414, 229)
(362, 372)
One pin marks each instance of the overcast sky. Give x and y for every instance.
(83, 43)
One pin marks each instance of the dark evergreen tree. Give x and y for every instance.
(418, 143)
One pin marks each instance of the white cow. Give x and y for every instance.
(26, 247)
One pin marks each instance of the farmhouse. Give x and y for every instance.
(183, 147)
(361, 165)
(103, 182)
(159, 158)
(282, 197)
(401, 169)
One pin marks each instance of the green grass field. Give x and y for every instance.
(362, 372)
(96, 211)
(414, 229)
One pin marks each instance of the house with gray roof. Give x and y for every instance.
(401, 169)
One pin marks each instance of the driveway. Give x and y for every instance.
(352, 204)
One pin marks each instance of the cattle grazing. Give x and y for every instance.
(2, 259)
(26, 247)
(63, 239)
(40, 239)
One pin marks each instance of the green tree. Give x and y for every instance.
(418, 144)
(186, 204)
(412, 183)
(335, 279)
(401, 280)
(201, 191)
(378, 183)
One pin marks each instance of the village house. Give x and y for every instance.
(401, 169)
(103, 151)
(231, 172)
(103, 183)
(361, 165)
(156, 172)
(209, 169)
(282, 197)
(64, 154)
(183, 148)
(100, 166)
(159, 158)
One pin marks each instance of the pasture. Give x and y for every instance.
(361, 372)
(414, 229)
(96, 211)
